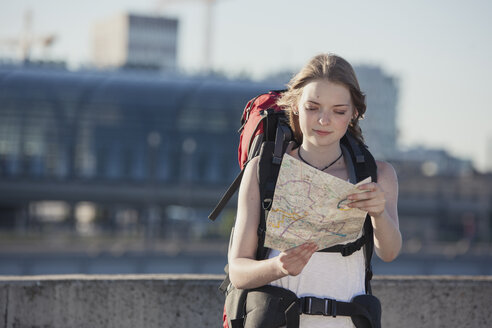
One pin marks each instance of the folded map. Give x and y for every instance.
(310, 205)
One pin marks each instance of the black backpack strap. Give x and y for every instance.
(349, 163)
(282, 137)
(271, 154)
(349, 248)
(227, 196)
(368, 251)
(267, 178)
(365, 310)
(365, 166)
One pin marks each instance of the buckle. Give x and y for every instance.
(277, 160)
(318, 306)
(267, 203)
(346, 251)
(230, 287)
(333, 308)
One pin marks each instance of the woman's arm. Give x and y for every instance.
(381, 204)
(244, 271)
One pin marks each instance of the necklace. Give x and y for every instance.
(302, 159)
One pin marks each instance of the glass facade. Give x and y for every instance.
(119, 126)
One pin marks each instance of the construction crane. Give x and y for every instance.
(209, 19)
(24, 44)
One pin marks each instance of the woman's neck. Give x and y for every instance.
(320, 156)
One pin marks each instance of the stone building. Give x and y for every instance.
(135, 41)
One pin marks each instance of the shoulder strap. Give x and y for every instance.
(364, 162)
(271, 154)
(365, 166)
(227, 196)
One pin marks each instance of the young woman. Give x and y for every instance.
(322, 101)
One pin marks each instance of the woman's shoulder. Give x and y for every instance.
(253, 164)
(386, 171)
(384, 166)
(251, 169)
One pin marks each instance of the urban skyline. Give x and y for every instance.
(438, 51)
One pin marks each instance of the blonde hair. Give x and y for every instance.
(323, 67)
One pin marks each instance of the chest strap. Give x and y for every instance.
(365, 310)
(349, 248)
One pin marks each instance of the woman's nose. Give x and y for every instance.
(324, 118)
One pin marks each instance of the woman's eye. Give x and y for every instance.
(340, 113)
(310, 108)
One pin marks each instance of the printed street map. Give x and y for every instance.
(309, 205)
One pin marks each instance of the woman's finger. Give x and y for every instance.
(367, 203)
(362, 195)
(295, 259)
(301, 251)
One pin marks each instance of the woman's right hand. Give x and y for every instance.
(292, 261)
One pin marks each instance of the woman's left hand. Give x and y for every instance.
(372, 201)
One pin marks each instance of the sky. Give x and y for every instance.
(439, 51)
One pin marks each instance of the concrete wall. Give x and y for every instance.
(194, 301)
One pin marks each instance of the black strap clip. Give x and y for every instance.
(267, 204)
(319, 306)
(346, 251)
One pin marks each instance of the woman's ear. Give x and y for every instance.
(354, 118)
(355, 115)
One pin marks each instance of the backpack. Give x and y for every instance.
(265, 132)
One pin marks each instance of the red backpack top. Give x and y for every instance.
(254, 130)
(252, 125)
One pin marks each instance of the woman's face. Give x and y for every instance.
(325, 110)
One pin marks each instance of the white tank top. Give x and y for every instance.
(327, 275)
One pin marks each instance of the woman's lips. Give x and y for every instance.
(322, 133)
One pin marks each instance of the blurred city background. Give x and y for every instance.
(119, 119)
